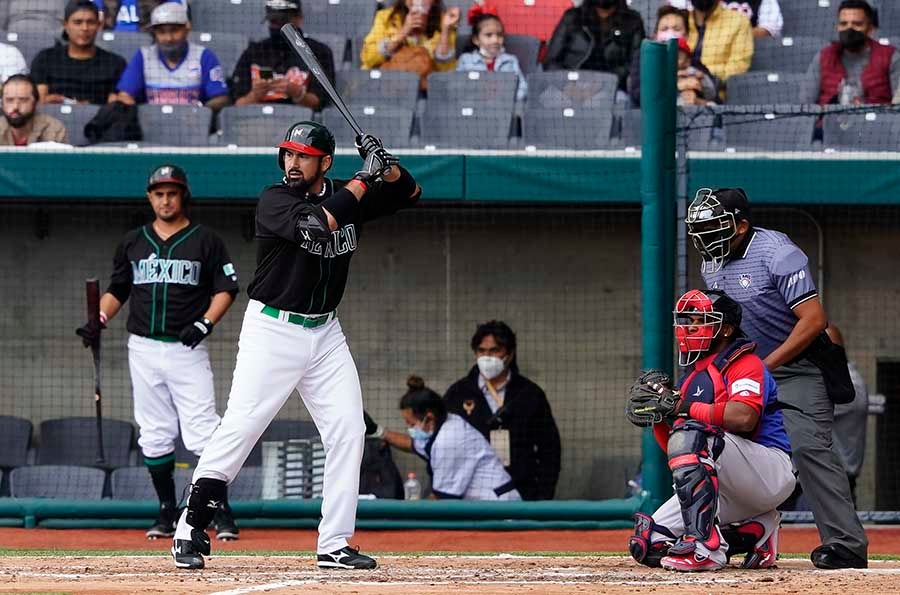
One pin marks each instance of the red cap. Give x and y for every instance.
(683, 46)
(301, 148)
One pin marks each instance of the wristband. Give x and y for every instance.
(712, 414)
(365, 187)
(103, 318)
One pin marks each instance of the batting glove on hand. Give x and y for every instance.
(193, 334)
(376, 166)
(90, 333)
(367, 143)
(372, 428)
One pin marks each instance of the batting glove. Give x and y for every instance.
(90, 332)
(193, 334)
(366, 144)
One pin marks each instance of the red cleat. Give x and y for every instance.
(693, 562)
(765, 555)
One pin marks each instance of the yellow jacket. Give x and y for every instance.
(727, 43)
(384, 27)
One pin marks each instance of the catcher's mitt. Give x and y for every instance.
(651, 399)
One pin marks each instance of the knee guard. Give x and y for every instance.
(693, 448)
(642, 549)
(205, 497)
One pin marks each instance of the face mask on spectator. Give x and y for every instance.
(667, 34)
(704, 5)
(605, 4)
(173, 52)
(490, 366)
(417, 433)
(852, 39)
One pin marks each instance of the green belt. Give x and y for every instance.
(299, 319)
(163, 338)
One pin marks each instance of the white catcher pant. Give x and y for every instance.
(275, 357)
(753, 480)
(172, 386)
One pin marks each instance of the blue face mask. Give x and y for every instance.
(417, 433)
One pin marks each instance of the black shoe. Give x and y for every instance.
(223, 522)
(834, 556)
(348, 558)
(188, 553)
(165, 524)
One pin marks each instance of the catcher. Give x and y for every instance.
(721, 427)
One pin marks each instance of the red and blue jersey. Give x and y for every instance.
(196, 79)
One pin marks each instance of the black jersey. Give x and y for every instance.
(171, 282)
(307, 276)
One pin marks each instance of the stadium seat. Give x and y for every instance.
(15, 438)
(810, 18)
(175, 125)
(873, 131)
(337, 43)
(244, 17)
(765, 88)
(392, 125)
(578, 128)
(562, 89)
(74, 117)
(700, 128)
(260, 125)
(464, 5)
(609, 476)
(524, 47)
(247, 485)
(783, 128)
(279, 430)
(134, 483)
(785, 54)
(379, 88)
(889, 18)
(57, 481)
(471, 110)
(32, 42)
(27, 16)
(228, 47)
(349, 18)
(123, 43)
(73, 441)
(631, 128)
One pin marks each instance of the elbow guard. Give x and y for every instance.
(405, 185)
(312, 225)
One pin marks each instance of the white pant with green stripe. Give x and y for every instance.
(275, 357)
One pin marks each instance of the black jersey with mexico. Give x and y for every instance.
(309, 277)
(170, 282)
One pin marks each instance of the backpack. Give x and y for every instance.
(378, 474)
(115, 122)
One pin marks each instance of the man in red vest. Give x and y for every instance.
(856, 69)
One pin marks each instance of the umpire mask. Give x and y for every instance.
(711, 226)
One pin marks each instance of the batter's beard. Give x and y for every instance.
(301, 185)
(18, 121)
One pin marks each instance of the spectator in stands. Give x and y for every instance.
(510, 410)
(722, 39)
(78, 71)
(856, 69)
(485, 52)
(414, 35)
(461, 462)
(270, 71)
(696, 84)
(765, 15)
(173, 70)
(22, 124)
(598, 35)
(11, 62)
(128, 15)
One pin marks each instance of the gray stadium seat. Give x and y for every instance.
(889, 18)
(73, 441)
(123, 43)
(260, 125)
(783, 128)
(469, 110)
(57, 481)
(464, 6)
(134, 483)
(392, 125)
(32, 15)
(15, 438)
(349, 18)
(379, 88)
(175, 125)
(576, 128)
(244, 17)
(227, 47)
(279, 430)
(562, 89)
(609, 476)
(871, 131)
(810, 18)
(32, 42)
(701, 127)
(337, 43)
(785, 54)
(247, 485)
(74, 117)
(631, 129)
(765, 88)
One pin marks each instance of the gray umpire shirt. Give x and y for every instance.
(768, 276)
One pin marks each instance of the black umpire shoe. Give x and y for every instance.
(223, 523)
(188, 553)
(348, 558)
(834, 556)
(165, 524)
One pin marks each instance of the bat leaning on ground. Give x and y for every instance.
(92, 292)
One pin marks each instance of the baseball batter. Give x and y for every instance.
(308, 227)
(181, 282)
(726, 444)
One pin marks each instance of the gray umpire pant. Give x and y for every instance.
(821, 473)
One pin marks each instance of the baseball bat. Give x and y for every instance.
(92, 292)
(289, 32)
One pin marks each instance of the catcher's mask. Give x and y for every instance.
(712, 223)
(698, 321)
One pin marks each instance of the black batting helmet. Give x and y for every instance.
(310, 138)
(169, 174)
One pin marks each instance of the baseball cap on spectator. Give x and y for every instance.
(282, 6)
(683, 46)
(74, 6)
(735, 201)
(169, 13)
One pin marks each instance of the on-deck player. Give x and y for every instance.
(181, 282)
(307, 226)
(726, 445)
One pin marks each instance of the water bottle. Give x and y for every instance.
(412, 489)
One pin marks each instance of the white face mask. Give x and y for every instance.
(668, 34)
(490, 366)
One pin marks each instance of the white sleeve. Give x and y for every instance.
(770, 17)
(679, 3)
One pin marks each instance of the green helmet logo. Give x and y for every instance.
(309, 138)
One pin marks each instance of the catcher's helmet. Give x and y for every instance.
(698, 320)
(306, 137)
(712, 223)
(169, 174)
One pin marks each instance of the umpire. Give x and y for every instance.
(769, 276)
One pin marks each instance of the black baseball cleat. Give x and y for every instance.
(188, 553)
(347, 558)
(223, 523)
(834, 556)
(165, 524)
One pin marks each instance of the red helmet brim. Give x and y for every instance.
(301, 148)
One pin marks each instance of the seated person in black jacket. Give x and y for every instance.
(598, 35)
(510, 410)
(270, 71)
